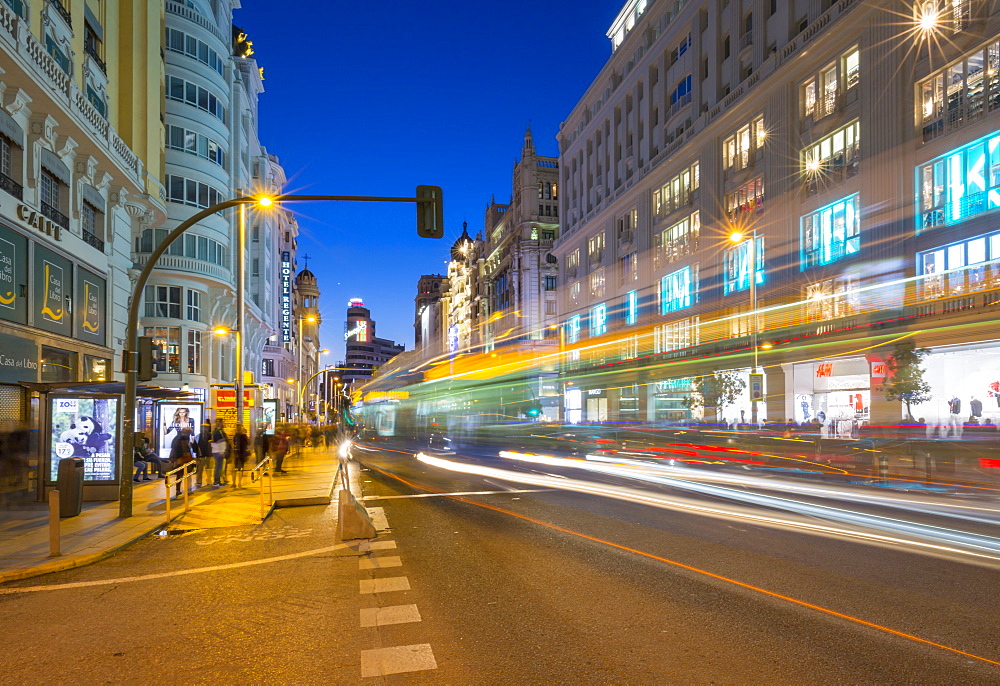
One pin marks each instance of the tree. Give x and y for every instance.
(715, 391)
(904, 379)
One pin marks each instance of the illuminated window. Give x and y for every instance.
(678, 192)
(574, 292)
(677, 335)
(573, 326)
(626, 226)
(572, 262)
(736, 266)
(597, 283)
(678, 290)
(831, 233)
(168, 339)
(194, 352)
(832, 158)
(629, 268)
(677, 240)
(595, 250)
(970, 265)
(960, 93)
(744, 146)
(819, 96)
(631, 307)
(599, 320)
(746, 199)
(832, 299)
(960, 184)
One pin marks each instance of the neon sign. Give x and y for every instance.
(360, 330)
(286, 296)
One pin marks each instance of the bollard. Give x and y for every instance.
(166, 486)
(54, 524)
(352, 518)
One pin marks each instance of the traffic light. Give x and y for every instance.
(147, 358)
(430, 212)
(534, 412)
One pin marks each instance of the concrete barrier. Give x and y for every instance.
(353, 520)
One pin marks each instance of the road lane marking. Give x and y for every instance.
(180, 572)
(398, 659)
(437, 495)
(393, 614)
(384, 562)
(703, 572)
(367, 546)
(378, 518)
(387, 585)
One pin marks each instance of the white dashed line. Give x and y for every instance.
(394, 614)
(379, 562)
(383, 661)
(439, 495)
(393, 583)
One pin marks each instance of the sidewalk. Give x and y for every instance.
(98, 532)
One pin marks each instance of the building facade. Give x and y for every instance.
(837, 155)
(430, 289)
(365, 351)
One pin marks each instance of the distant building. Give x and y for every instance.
(430, 288)
(365, 352)
(463, 301)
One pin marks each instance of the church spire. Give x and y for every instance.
(529, 144)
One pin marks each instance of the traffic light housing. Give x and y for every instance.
(534, 412)
(430, 212)
(147, 353)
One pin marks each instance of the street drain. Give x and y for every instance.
(163, 533)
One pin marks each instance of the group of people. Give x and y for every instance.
(216, 454)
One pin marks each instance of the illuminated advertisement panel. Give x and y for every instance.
(175, 419)
(85, 426)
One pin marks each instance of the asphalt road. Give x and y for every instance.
(504, 587)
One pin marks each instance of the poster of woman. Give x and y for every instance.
(175, 419)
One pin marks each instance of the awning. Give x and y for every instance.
(109, 388)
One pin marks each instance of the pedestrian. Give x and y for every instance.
(220, 449)
(241, 450)
(260, 443)
(279, 448)
(203, 452)
(143, 452)
(181, 454)
(141, 468)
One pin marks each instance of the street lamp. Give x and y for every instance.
(739, 237)
(428, 197)
(298, 360)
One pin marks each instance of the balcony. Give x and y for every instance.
(55, 215)
(91, 239)
(63, 12)
(91, 50)
(11, 186)
(746, 40)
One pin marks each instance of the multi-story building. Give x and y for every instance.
(307, 352)
(463, 302)
(80, 174)
(851, 144)
(212, 84)
(365, 351)
(426, 304)
(519, 278)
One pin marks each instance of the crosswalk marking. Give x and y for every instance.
(397, 659)
(379, 562)
(388, 585)
(393, 614)
(367, 546)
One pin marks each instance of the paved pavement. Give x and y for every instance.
(98, 531)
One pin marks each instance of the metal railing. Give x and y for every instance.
(11, 186)
(258, 473)
(188, 470)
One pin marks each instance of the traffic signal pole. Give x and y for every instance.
(429, 225)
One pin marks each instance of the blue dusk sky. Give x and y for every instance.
(375, 98)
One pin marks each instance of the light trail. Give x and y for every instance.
(990, 554)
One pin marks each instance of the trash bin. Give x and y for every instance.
(69, 481)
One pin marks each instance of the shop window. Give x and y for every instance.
(194, 305)
(745, 200)
(599, 320)
(832, 299)
(163, 301)
(960, 184)
(832, 158)
(193, 351)
(678, 192)
(96, 368)
(168, 339)
(961, 92)
(831, 233)
(58, 365)
(677, 335)
(676, 241)
(736, 266)
(971, 265)
(678, 290)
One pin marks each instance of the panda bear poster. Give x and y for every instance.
(85, 427)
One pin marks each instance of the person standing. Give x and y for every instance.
(203, 451)
(241, 451)
(279, 448)
(220, 448)
(180, 455)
